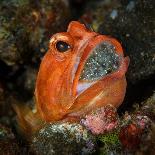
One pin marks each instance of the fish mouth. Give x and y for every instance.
(102, 60)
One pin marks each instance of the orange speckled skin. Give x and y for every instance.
(58, 77)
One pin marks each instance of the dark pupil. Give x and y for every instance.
(62, 46)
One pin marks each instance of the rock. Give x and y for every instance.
(148, 137)
(137, 133)
(147, 145)
(8, 143)
(26, 27)
(148, 107)
(132, 23)
(63, 138)
(25, 30)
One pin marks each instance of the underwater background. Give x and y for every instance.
(26, 27)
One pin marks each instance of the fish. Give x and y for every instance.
(81, 72)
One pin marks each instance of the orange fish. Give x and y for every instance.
(81, 71)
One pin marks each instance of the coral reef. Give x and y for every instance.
(110, 143)
(102, 120)
(130, 135)
(147, 145)
(132, 129)
(148, 107)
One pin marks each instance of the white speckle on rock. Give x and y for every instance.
(130, 6)
(114, 14)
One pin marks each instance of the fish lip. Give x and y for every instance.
(84, 84)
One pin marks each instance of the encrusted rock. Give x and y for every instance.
(63, 138)
(148, 107)
(26, 27)
(102, 120)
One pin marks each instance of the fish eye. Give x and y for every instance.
(62, 46)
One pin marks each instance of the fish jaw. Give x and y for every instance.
(108, 89)
(85, 53)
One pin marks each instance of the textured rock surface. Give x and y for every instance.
(26, 26)
(147, 145)
(25, 29)
(63, 138)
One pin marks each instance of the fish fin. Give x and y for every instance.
(28, 121)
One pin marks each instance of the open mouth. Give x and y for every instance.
(102, 61)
